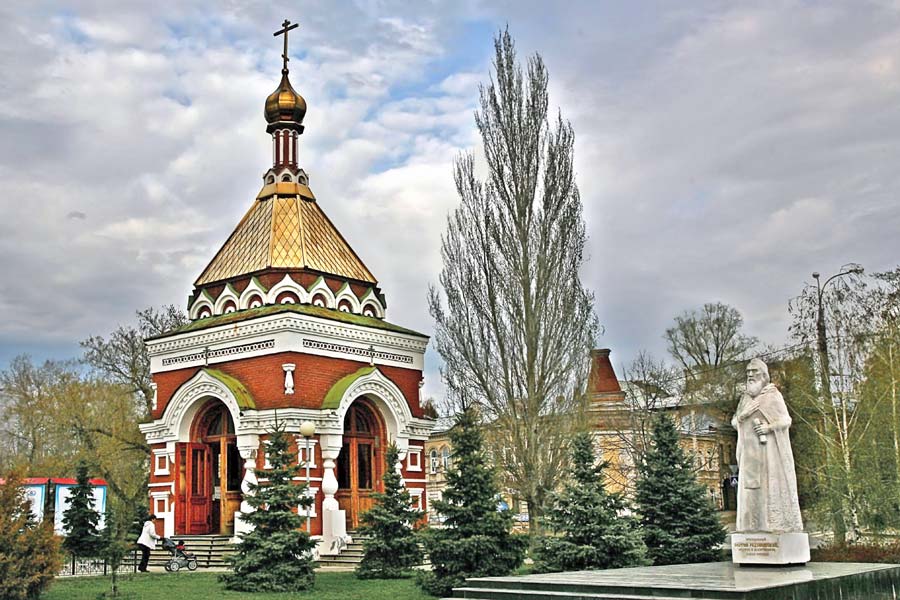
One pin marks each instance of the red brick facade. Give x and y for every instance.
(314, 376)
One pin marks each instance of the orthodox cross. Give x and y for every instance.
(285, 27)
(372, 356)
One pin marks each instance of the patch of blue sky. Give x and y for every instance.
(468, 49)
(70, 30)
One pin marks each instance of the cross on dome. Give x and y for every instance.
(285, 27)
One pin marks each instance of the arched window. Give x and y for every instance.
(434, 461)
(445, 457)
(286, 177)
(270, 179)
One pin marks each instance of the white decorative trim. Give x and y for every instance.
(370, 298)
(253, 288)
(288, 378)
(218, 352)
(320, 287)
(417, 452)
(389, 399)
(345, 293)
(227, 294)
(287, 285)
(283, 328)
(311, 492)
(175, 423)
(154, 401)
(369, 353)
(204, 301)
(301, 451)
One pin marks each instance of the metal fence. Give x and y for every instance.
(78, 567)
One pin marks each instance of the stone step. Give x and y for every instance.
(476, 593)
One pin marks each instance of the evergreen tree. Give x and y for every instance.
(80, 519)
(276, 556)
(475, 540)
(595, 532)
(678, 520)
(392, 547)
(29, 552)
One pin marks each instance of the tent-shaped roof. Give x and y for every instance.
(285, 229)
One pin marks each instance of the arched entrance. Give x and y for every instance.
(360, 464)
(208, 486)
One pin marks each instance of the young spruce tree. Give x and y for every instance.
(80, 520)
(391, 548)
(475, 540)
(678, 520)
(595, 532)
(276, 556)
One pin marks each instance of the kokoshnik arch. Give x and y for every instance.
(287, 325)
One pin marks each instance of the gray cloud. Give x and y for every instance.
(724, 152)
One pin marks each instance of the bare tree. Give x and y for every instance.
(709, 346)
(649, 387)
(514, 324)
(123, 357)
(839, 424)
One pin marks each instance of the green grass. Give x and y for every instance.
(205, 586)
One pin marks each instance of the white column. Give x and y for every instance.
(334, 520)
(288, 378)
(248, 446)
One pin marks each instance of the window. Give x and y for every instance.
(286, 177)
(445, 457)
(414, 459)
(434, 461)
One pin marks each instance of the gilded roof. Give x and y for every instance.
(286, 232)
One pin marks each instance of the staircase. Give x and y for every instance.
(349, 556)
(210, 550)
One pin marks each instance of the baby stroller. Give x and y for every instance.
(180, 558)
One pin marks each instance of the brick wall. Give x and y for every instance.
(314, 375)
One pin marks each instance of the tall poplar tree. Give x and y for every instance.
(514, 324)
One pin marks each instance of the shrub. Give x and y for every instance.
(30, 556)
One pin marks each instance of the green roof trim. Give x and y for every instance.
(256, 280)
(243, 397)
(303, 309)
(334, 395)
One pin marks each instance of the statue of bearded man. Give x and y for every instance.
(767, 483)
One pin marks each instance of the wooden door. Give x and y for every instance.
(198, 494)
(359, 463)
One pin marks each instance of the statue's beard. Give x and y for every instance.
(755, 386)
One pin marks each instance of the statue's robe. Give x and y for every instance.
(767, 482)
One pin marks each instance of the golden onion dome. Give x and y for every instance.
(285, 104)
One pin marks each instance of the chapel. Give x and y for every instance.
(287, 325)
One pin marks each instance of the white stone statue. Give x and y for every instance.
(767, 501)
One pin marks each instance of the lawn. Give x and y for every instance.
(205, 586)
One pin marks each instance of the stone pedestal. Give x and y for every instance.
(710, 581)
(770, 548)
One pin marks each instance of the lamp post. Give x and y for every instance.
(821, 338)
(825, 384)
(307, 430)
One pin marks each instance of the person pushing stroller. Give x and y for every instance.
(180, 556)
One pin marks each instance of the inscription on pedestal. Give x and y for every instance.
(770, 548)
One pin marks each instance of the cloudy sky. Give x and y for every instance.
(724, 150)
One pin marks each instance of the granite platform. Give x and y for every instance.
(714, 581)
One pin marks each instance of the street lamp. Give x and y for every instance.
(821, 338)
(825, 379)
(307, 430)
